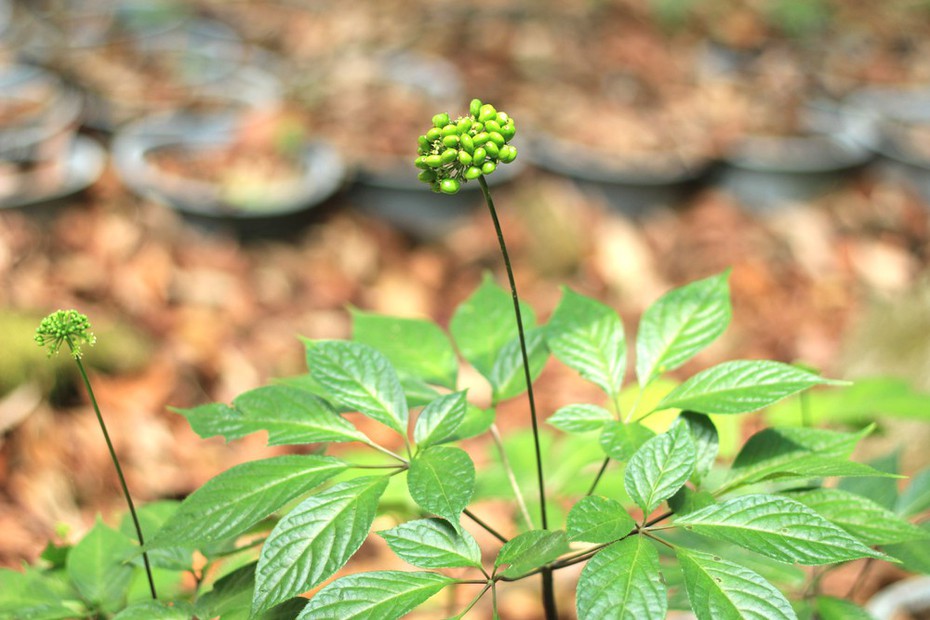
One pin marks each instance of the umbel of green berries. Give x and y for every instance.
(65, 327)
(454, 152)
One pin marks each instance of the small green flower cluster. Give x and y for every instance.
(454, 152)
(65, 327)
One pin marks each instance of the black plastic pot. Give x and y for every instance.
(40, 183)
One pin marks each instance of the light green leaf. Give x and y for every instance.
(507, 377)
(883, 490)
(861, 517)
(741, 386)
(915, 498)
(580, 418)
(913, 557)
(433, 543)
(587, 336)
(441, 480)
(660, 467)
(623, 582)
(156, 610)
(721, 590)
(32, 595)
(215, 419)
(385, 595)
(484, 323)
(476, 421)
(360, 378)
(597, 519)
(780, 528)
(706, 443)
(530, 550)
(98, 566)
(315, 540)
(152, 517)
(235, 500)
(832, 608)
(620, 441)
(414, 346)
(687, 500)
(680, 324)
(440, 419)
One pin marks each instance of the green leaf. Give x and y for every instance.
(706, 443)
(915, 498)
(99, 569)
(831, 608)
(293, 416)
(777, 527)
(484, 323)
(623, 582)
(507, 377)
(433, 543)
(440, 419)
(881, 490)
(597, 519)
(621, 441)
(315, 540)
(580, 418)
(414, 346)
(741, 386)
(687, 500)
(587, 336)
(441, 480)
(152, 517)
(914, 558)
(235, 500)
(530, 550)
(231, 598)
(680, 324)
(156, 610)
(32, 595)
(861, 517)
(721, 590)
(476, 421)
(660, 467)
(385, 595)
(360, 378)
(790, 452)
(215, 419)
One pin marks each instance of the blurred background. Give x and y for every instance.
(210, 179)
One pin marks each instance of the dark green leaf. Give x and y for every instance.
(433, 543)
(440, 419)
(99, 569)
(441, 480)
(381, 595)
(507, 377)
(680, 324)
(530, 550)
(360, 378)
(580, 418)
(687, 500)
(881, 490)
(231, 598)
(859, 516)
(623, 582)
(241, 496)
(706, 443)
(484, 323)
(587, 336)
(741, 386)
(315, 540)
(414, 346)
(597, 519)
(721, 590)
(620, 441)
(660, 467)
(777, 527)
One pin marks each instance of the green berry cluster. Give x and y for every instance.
(454, 152)
(65, 327)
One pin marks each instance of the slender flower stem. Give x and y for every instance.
(499, 444)
(547, 584)
(119, 471)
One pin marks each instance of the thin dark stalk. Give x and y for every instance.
(490, 530)
(547, 584)
(597, 478)
(119, 474)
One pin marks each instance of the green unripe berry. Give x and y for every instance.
(464, 158)
(464, 125)
(486, 113)
(477, 128)
(497, 139)
(449, 155)
(491, 149)
(433, 134)
(433, 161)
(481, 138)
(466, 142)
(420, 162)
(474, 108)
(423, 144)
(479, 156)
(441, 120)
(452, 141)
(473, 173)
(488, 167)
(492, 125)
(508, 153)
(449, 186)
(449, 130)
(502, 118)
(427, 176)
(508, 130)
